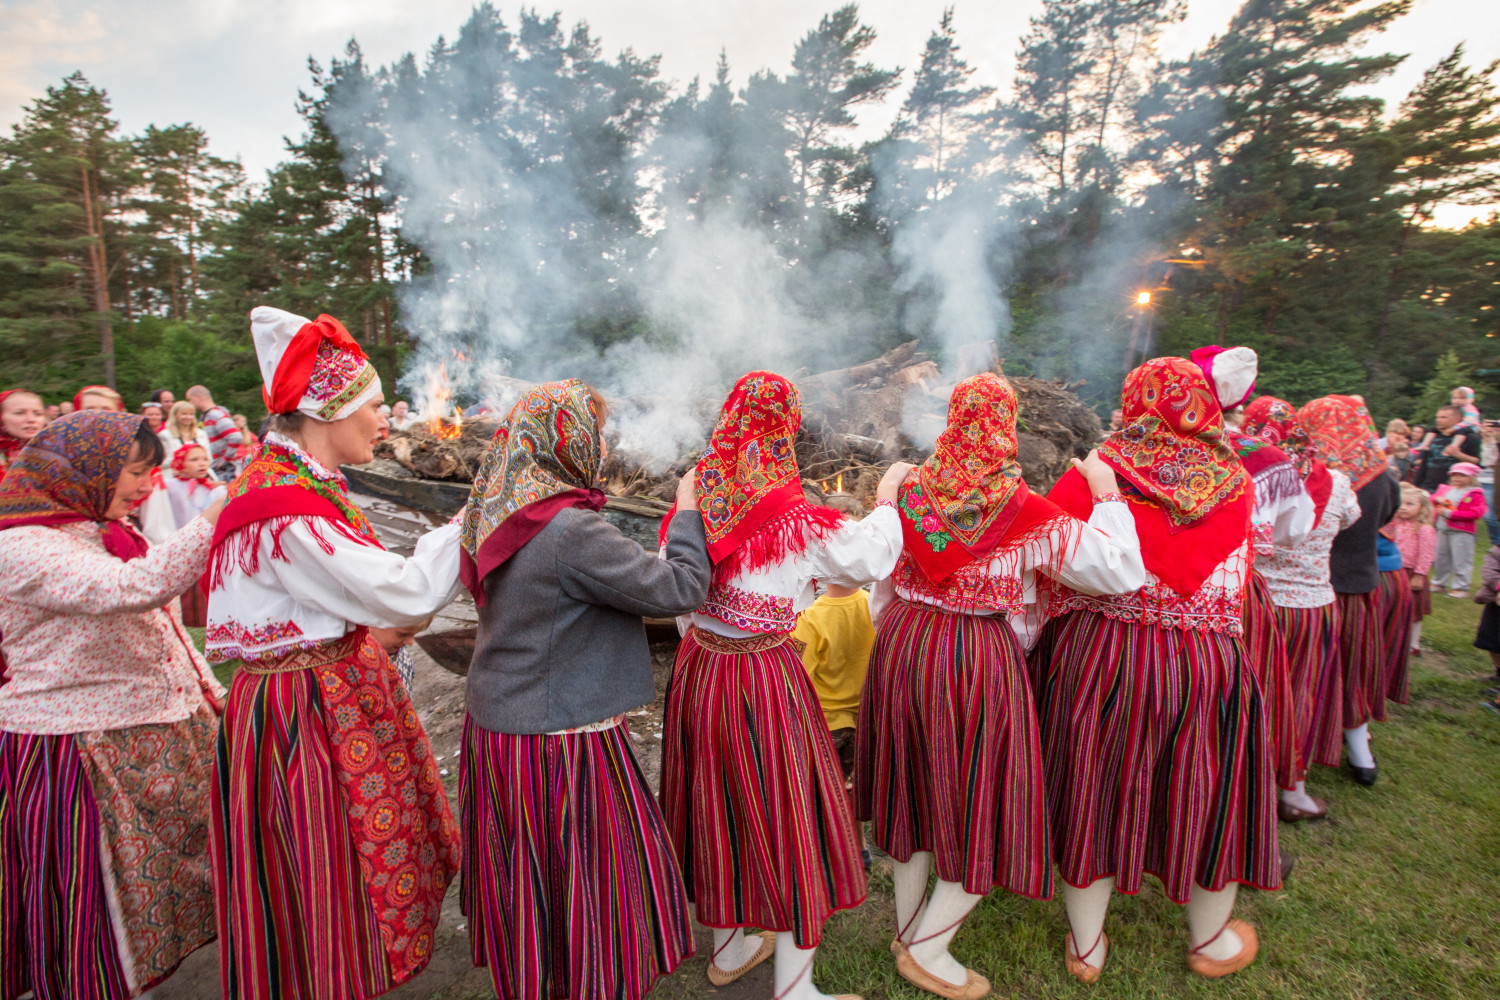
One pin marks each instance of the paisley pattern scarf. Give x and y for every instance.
(749, 487)
(546, 458)
(1344, 437)
(1172, 449)
(956, 509)
(68, 473)
(1275, 420)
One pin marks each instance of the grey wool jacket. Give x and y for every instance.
(561, 643)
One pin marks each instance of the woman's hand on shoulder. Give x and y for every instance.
(1097, 473)
(890, 483)
(212, 511)
(687, 491)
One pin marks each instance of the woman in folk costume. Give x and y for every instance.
(949, 765)
(1343, 437)
(570, 883)
(1153, 728)
(751, 785)
(21, 417)
(107, 723)
(333, 840)
(1301, 592)
(1282, 514)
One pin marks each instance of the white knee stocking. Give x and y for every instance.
(1208, 918)
(1416, 635)
(794, 967)
(1357, 742)
(732, 948)
(1086, 911)
(944, 914)
(910, 878)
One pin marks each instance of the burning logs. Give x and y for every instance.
(856, 421)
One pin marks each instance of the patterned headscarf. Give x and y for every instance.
(548, 456)
(1275, 420)
(1344, 437)
(969, 481)
(748, 477)
(1172, 448)
(68, 473)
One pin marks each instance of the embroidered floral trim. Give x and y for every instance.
(332, 409)
(232, 641)
(1109, 498)
(916, 508)
(749, 611)
(1211, 609)
(968, 590)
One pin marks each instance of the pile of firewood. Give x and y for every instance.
(856, 421)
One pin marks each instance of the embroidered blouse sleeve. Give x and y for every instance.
(860, 552)
(1107, 558)
(50, 569)
(330, 571)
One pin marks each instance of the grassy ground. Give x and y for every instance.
(1396, 894)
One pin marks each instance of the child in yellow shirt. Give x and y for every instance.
(836, 635)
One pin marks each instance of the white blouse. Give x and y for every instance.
(770, 598)
(1106, 559)
(322, 580)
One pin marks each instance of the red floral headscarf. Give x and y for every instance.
(956, 508)
(1344, 437)
(68, 473)
(546, 458)
(749, 487)
(1275, 420)
(1172, 447)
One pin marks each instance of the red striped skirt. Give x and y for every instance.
(569, 881)
(1311, 636)
(56, 936)
(1397, 610)
(333, 842)
(1360, 658)
(1155, 753)
(1266, 649)
(948, 759)
(752, 791)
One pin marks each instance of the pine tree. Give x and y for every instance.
(63, 175)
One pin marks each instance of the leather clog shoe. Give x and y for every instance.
(1289, 813)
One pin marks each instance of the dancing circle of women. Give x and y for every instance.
(1127, 676)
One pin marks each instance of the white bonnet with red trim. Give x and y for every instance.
(311, 366)
(1232, 372)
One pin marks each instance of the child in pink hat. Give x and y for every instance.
(1459, 505)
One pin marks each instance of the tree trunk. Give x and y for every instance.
(94, 224)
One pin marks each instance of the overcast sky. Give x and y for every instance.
(234, 66)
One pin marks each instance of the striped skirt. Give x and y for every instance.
(1396, 606)
(752, 791)
(105, 883)
(1312, 636)
(1360, 658)
(1266, 649)
(1155, 754)
(948, 759)
(333, 842)
(569, 881)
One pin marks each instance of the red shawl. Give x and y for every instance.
(1188, 492)
(276, 489)
(68, 474)
(749, 487)
(1275, 420)
(1343, 436)
(968, 498)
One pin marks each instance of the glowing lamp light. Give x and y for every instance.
(1143, 298)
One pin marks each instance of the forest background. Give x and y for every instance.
(517, 195)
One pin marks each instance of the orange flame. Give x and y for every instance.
(440, 399)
